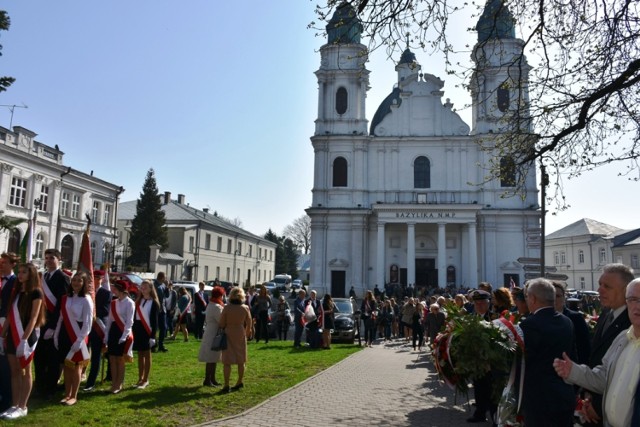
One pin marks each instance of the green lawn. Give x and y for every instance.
(176, 397)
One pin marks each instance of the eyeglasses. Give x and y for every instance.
(633, 300)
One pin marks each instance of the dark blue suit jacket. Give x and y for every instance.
(547, 334)
(581, 334)
(5, 295)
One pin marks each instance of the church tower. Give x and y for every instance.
(343, 80)
(499, 85)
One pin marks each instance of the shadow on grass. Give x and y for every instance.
(158, 396)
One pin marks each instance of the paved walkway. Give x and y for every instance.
(386, 385)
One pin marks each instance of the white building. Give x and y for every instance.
(32, 171)
(581, 249)
(202, 247)
(403, 201)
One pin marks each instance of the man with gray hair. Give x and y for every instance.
(617, 377)
(547, 399)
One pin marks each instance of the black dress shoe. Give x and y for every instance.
(224, 389)
(475, 419)
(237, 386)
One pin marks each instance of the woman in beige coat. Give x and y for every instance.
(237, 323)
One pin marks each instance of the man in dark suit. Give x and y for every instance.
(201, 301)
(547, 400)
(298, 309)
(580, 328)
(163, 294)
(8, 263)
(55, 285)
(613, 320)
(96, 336)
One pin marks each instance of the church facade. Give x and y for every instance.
(404, 199)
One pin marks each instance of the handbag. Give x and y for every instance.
(219, 341)
(309, 314)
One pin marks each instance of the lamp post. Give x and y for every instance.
(68, 171)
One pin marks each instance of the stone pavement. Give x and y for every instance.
(386, 385)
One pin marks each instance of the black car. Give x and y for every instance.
(345, 318)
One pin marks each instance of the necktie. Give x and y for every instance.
(607, 321)
(47, 275)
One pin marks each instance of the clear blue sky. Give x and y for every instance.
(218, 97)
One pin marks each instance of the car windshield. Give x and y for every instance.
(279, 280)
(134, 278)
(344, 306)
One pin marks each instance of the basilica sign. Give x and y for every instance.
(427, 215)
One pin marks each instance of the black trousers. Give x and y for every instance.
(47, 367)
(5, 384)
(262, 322)
(95, 343)
(162, 328)
(199, 325)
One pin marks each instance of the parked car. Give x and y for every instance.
(296, 284)
(345, 318)
(132, 279)
(192, 288)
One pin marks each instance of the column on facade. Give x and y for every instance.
(411, 253)
(473, 255)
(442, 255)
(380, 265)
(358, 256)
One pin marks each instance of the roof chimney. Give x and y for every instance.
(181, 199)
(205, 210)
(167, 197)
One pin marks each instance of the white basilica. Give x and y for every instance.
(403, 199)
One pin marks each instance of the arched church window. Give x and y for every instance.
(39, 246)
(340, 172)
(422, 173)
(503, 98)
(507, 172)
(341, 101)
(14, 241)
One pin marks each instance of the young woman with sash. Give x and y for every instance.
(21, 332)
(72, 335)
(119, 339)
(145, 324)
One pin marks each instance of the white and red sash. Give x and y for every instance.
(17, 331)
(143, 316)
(50, 299)
(73, 331)
(128, 343)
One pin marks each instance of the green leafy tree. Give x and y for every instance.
(286, 254)
(148, 226)
(5, 22)
(8, 223)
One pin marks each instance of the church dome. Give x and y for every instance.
(385, 108)
(344, 27)
(496, 22)
(407, 57)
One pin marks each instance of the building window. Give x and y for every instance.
(250, 251)
(507, 172)
(218, 273)
(39, 247)
(581, 256)
(259, 253)
(563, 258)
(603, 255)
(95, 212)
(106, 217)
(64, 207)
(228, 274)
(206, 272)
(239, 248)
(75, 206)
(93, 249)
(228, 246)
(556, 258)
(503, 98)
(192, 242)
(259, 271)
(207, 241)
(219, 244)
(634, 261)
(44, 197)
(422, 173)
(14, 241)
(582, 283)
(340, 172)
(341, 100)
(18, 195)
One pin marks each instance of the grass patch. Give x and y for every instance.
(176, 397)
